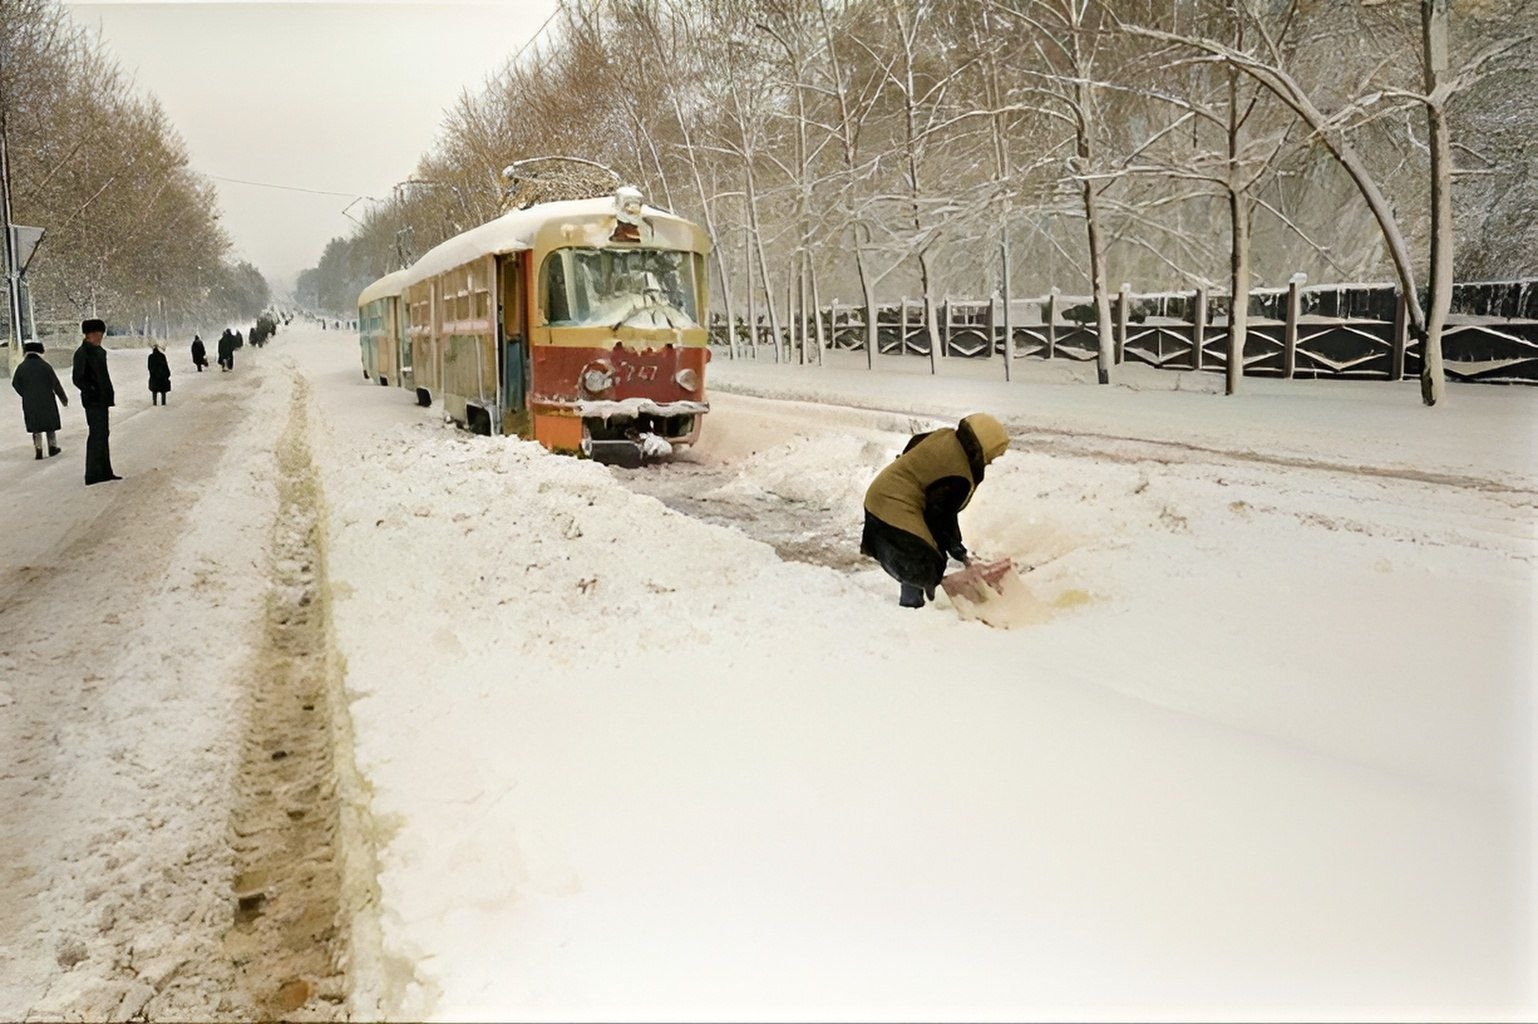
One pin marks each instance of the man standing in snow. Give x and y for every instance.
(160, 374)
(96, 397)
(912, 505)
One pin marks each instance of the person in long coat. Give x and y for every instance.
(199, 353)
(226, 350)
(37, 384)
(160, 374)
(96, 397)
(911, 507)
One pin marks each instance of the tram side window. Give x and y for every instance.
(557, 308)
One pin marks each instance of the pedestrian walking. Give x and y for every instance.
(912, 505)
(226, 351)
(96, 398)
(160, 374)
(37, 384)
(199, 353)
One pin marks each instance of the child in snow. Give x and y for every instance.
(912, 505)
(37, 384)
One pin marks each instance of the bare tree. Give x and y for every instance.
(1267, 67)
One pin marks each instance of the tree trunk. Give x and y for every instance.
(1238, 288)
(1434, 34)
(1097, 268)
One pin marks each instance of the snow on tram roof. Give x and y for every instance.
(512, 232)
(391, 284)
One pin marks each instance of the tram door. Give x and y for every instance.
(513, 342)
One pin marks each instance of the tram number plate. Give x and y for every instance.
(633, 372)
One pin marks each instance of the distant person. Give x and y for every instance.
(240, 340)
(37, 384)
(199, 353)
(96, 397)
(912, 505)
(160, 374)
(226, 351)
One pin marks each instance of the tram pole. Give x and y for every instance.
(12, 271)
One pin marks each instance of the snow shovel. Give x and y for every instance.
(979, 581)
(993, 593)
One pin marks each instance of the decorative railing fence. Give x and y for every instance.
(1336, 331)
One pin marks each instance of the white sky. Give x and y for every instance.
(333, 97)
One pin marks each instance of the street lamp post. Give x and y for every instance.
(12, 270)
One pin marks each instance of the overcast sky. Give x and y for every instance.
(334, 97)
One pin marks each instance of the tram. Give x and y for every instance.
(577, 323)
(382, 332)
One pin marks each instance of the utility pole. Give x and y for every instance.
(12, 270)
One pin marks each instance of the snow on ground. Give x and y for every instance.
(128, 613)
(1268, 754)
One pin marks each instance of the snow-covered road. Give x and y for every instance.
(131, 615)
(1267, 751)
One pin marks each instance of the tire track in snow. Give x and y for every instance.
(289, 936)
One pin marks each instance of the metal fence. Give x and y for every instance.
(1321, 331)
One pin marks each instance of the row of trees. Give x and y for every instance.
(871, 148)
(132, 232)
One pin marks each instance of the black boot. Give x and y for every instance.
(911, 597)
(39, 454)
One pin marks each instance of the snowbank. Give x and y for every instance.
(629, 764)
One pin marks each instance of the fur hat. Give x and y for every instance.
(33, 346)
(89, 326)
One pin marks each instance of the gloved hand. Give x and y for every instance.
(959, 553)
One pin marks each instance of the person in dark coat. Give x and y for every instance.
(160, 374)
(912, 505)
(199, 353)
(96, 397)
(37, 384)
(226, 350)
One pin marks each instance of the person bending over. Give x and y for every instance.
(912, 505)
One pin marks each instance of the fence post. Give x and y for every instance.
(990, 324)
(902, 326)
(1052, 324)
(833, 324)
(1401, 339)
(1290, 326)
(1121, 322)
(1198, 326)
(945, 329)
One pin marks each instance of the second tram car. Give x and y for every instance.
(382, 332)
(578, 323)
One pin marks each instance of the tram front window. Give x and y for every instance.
(618, 287)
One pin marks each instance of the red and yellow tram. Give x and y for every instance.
(577, 323)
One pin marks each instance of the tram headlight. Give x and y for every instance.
(596, 378)
(687, 378)
(627, 204)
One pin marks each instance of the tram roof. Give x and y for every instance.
(391, 284)
(514, 231)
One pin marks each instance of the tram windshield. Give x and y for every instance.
(620, 288)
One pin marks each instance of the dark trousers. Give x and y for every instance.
(98, 455)
(906, 558)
